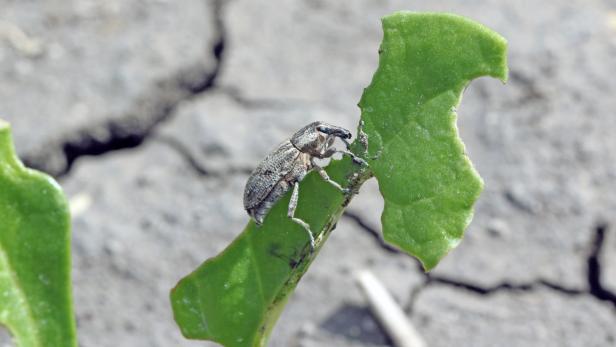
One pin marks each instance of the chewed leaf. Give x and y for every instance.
(35, 294)
(428, 183)
(425, 177)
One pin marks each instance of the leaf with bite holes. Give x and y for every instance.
(426, 179)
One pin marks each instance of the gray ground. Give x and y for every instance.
(151, 114)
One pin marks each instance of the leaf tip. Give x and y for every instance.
(7, 149)
(502, 68)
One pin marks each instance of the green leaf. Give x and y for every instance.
(427, 181)
(35, 295)
(236, 297)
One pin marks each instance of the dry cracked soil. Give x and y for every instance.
(152, 113)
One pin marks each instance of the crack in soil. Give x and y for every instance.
(595, 284)
(432, 280)
(503, 286)
(156, 106)
(261, 103)
(409, 308)
(531, 91)
(194, 164)
(375, 234)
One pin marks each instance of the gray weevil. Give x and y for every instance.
(288, 164)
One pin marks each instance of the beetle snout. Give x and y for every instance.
(345, 134)
(335, 131)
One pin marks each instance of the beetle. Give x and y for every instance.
(285, 167)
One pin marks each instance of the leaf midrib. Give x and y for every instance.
(17, 288)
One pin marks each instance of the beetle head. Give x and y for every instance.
(317, 137)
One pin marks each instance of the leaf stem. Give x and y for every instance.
(355, 178)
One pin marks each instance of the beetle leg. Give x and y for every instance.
(291, 214)
(325, 176)
(327, 153)
(331, 151)
(356, 159)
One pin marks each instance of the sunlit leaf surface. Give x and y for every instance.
(427, 181)
(35, 294)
